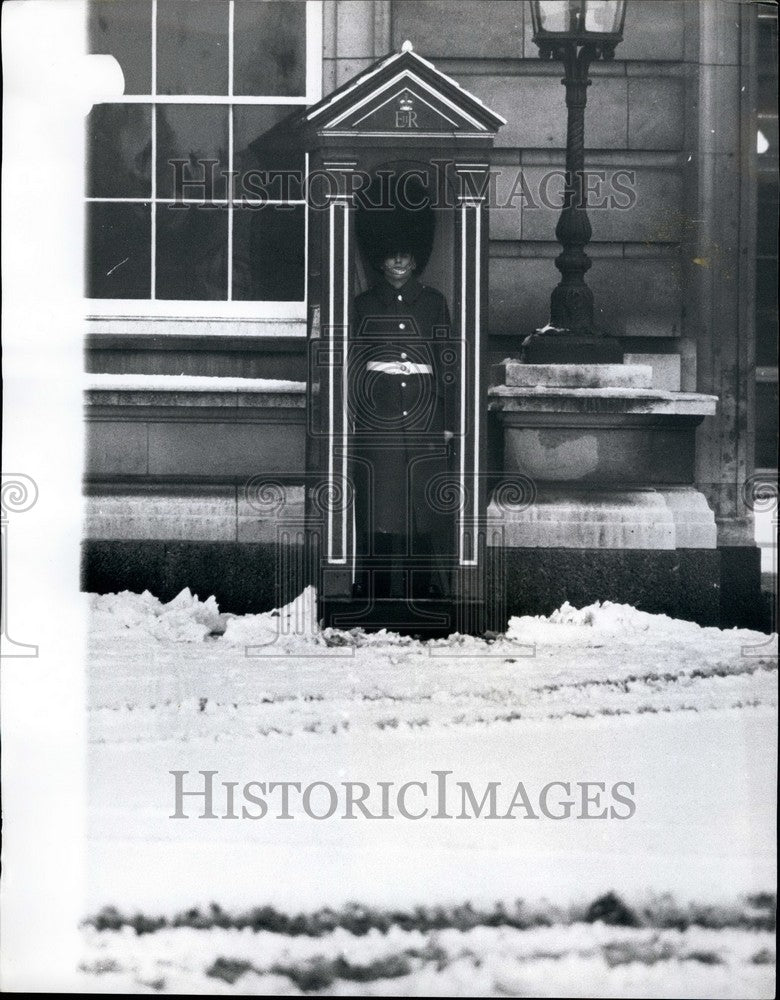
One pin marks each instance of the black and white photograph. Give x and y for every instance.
(390, 498)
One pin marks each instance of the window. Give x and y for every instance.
(183, 216)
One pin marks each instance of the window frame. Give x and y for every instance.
(228, 309)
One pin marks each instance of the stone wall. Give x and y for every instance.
(672, 272)
(635, 122)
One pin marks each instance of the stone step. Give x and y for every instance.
(513, 373)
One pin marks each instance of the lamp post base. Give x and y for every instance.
(553, 346)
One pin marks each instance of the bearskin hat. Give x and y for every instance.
(394, 214)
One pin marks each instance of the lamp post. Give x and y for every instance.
(576, 32)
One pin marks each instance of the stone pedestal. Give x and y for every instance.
(669, 518)
(609, 506)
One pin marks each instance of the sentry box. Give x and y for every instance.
(397, 172)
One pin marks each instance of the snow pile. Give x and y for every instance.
(143, 616)
(295, 621)
(605, 616)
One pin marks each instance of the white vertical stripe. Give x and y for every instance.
(306, 237)
(153, 209)
(345, 380)
(463, 342)
(230, 157)
(231, 52)
(477, 371)
(331, 363)
(313, 51)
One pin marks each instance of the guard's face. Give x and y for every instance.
(398, 266)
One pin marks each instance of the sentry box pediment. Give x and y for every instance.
(403, 95)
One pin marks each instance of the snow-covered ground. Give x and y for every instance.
(684, 716)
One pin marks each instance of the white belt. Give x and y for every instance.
(398, 368)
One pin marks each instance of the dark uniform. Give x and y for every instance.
(403, 362)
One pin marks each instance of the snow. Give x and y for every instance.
(601, 694)
(543, 961)
(190, 383)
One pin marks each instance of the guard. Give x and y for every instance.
(404, 412)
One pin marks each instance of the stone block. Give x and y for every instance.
(460, 28)
(571, 519)
(520, 294)
(637, 298)
(720, 85)
(243, 578)
(355, 29)
(694, 522)
(195, 513)
(655, 112)
(627, 454)
(346, 69)
(633, 376)
(535, 110)
(638, 205)
(665, 369)
(668, 518)
(654, 31)
(266, 509)
(506, 204)
(225, 448)
(116, 447)
(682, 583)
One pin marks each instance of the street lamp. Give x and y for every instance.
(576, 32)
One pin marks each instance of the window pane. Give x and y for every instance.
(766, 62)
(270, 47)
(193, 133)
(263, 168)
(766, 311)
(766, 336)
(119, 151)
(123, 29)
(766, 425)
(192, 47)
(118, 251)
(766, 237)
(268, 253)
(191, 252)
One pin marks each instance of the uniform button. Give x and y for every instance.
(402, 326)
(400, 298)
(405, 413)
(403, 385)
(403, 357)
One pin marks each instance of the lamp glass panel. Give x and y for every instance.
(557, 15)
(603, 16)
